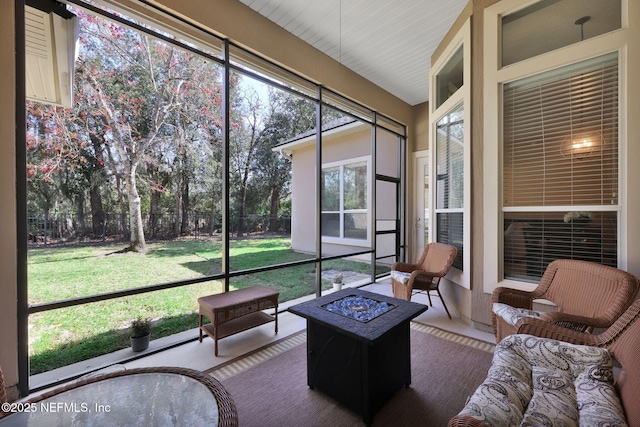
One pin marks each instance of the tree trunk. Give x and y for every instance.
(153, 212)
(177, 204)
(95, 198)
(212, 221)
(243, 200)
(241, 214)
(123, 209)
(136, 239)
(46, 225)
(97, 211)
(184, 227)
(81, 226)
(273, 210)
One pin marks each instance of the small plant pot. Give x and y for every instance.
(337, 286)
(140, 343)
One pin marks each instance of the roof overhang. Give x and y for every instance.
(287, 148)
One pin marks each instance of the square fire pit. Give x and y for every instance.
(358, 348)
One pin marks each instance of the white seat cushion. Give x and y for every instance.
(511, 315)
(400, 276)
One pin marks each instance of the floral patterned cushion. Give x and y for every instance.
(511, 315)
(544, 382)
(400, 276)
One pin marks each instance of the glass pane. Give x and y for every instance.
(450, 78)
(533, 239)
(450, 231)
(551, 24)
(331, 189)
(331, 224)
(355, 225)
(425, 217)
(450, 160)
(355, 186)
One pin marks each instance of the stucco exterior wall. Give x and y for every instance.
(337, 148)
(303, 195)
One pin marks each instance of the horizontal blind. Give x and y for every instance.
(561, 137)
(533, 239)
(560, 149)
(449, 191)
(450, 230)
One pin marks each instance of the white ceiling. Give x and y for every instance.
(387, 42)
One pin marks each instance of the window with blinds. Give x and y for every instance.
(449, 203)
(560, 167)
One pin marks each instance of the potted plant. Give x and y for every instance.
(337, 282)
(140, 333)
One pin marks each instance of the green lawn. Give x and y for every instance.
(61, 337)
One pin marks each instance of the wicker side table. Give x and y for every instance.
(236, 311)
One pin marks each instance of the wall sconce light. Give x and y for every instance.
(582, 142)
(580, 146)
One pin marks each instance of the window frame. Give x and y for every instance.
(342, 211)
(462, 96)
(495, 77)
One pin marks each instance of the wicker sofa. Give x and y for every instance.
(545, 381)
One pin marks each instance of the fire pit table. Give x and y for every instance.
(358, 348)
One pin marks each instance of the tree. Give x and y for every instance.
(190, 139)
(290, 116)
(135, 82)
(245, 131)
(58, 159)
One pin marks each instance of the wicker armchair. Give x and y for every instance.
(423, 276)
(622, 340)
(588, 295)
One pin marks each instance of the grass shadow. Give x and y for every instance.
(104, 343)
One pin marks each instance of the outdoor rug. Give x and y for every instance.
(269, 386)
